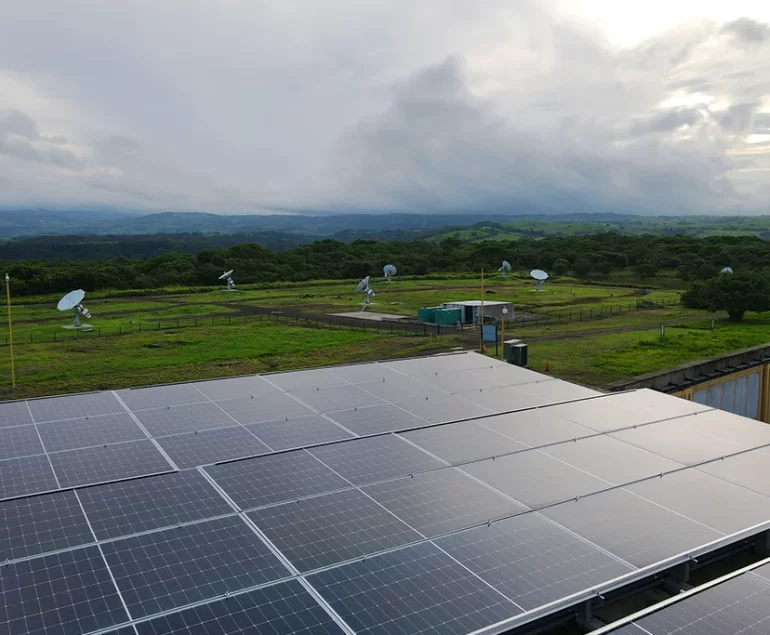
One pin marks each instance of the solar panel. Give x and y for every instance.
(234, 388)
(128, 507)
(507, 375)
(19, 441)
(15, 413)
(325, 530)
(535, 479)
(630, 527)
(377, 419)
(453, 381)
(39, 524)
(89, 466)
(738, 605)
(74, 406)
(299, 379)
(682, 492)
(502, 399)
(531, 560)
(605, 416)
(750, 469)
(398, 388)
(611, 459)
(275, 478)
(556, 391)
(682, 440)
(65, 592)
(83, 433)
(281, 609)
(211, 446)
(536, 427)
(656, 405)
(163, 570)
(439, 502)
(30, 475)
(188, 418)
(374, 459)
(443, 409)
(298, 432)
(466, 441)
(418, 589)
(336, 398)
(359, 373)
(727, 426)
(161, 396)
(265, 408)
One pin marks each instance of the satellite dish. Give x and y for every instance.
(72, 302)
(505, 268)
(389, 271)
(726, 270)
(228, 275)
(540, 276)
(363, 287)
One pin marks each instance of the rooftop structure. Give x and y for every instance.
(448, 494)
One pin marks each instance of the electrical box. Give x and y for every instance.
(508, 350)
(519, 354)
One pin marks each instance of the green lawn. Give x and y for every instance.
(602, 359)
(97, 363)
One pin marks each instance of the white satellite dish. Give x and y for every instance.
(389, 271)
(72, 302)
(228, 275)
(726, 270)
(540, 276)
(363, 287)
(505, 268)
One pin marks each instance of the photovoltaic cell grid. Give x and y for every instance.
(160, 571)
(171, 537)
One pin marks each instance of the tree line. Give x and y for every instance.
(592, 256)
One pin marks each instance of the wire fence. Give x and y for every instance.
(408, 327)
(576, 314)
(402, 327)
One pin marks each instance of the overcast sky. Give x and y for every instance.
(238, 106)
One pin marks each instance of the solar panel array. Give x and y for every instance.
(736, 605)
(435, 495)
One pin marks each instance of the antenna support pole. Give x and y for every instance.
(10, 329)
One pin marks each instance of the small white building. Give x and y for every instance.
(471, 310)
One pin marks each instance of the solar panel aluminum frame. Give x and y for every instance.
(676, 599)
(637, 575)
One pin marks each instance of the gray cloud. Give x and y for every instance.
(238, 106)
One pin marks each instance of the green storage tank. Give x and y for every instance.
(427, 314)
(448, 316)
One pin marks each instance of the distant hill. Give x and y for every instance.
(39, 222)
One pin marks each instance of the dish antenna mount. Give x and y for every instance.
(389, 271)
(505, 269)
(73, 302)
(228, 275)
(363, 287)
(540, 277)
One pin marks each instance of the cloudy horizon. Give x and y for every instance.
(387, 105)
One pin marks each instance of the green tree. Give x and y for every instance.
(735, 293)
(561, 266)
(583, 266)
(647, 270)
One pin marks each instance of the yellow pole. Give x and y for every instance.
(482, 310)
(10, 329)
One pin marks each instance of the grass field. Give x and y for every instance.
(602, 359)
(98, 363)
(207, 333)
